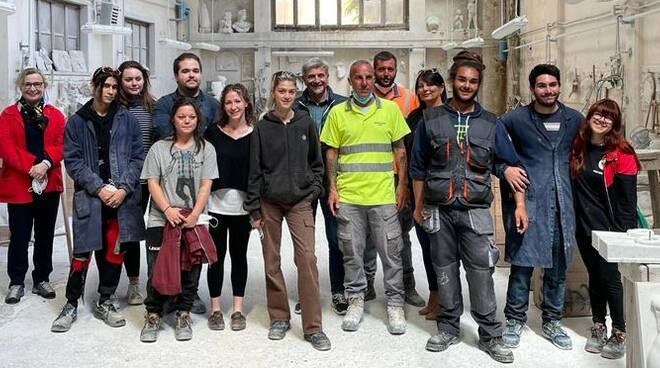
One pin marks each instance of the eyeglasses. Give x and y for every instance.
(28, 85)
(602, 118)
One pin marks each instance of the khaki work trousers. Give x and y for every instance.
(300, 220)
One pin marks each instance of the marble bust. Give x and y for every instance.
(242, 25)
(226, 23)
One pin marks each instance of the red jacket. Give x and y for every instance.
(17, 160)
(620, 175)
(198, 248)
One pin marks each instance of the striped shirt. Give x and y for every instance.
(146, 125)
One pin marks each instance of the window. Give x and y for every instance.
(57, 26)
(336, 14)
(136, 45)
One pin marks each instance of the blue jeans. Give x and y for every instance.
(335, 257)
(554, 285)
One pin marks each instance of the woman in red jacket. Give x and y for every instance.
(604, 169)
(31, 144)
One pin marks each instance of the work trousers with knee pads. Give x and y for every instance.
(465, 236)
(381, 225)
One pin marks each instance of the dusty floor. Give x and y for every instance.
(26, 339)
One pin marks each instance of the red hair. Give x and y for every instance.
(614, 139)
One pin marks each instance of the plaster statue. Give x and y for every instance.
(340, 71)
(459, 18)
(204, 18)
(242, 25)
(61, 60)
(653, 359)
(225, 24)
(472, 6)
(432, 24)
(218, 86)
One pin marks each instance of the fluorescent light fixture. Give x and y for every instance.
(205, 46)
(472, 43)
(449, 45)
(303, 53)
(7, 8)
(168, 42)
(510, 27)
(104, 29)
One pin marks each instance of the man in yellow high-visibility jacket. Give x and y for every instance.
(364, 134)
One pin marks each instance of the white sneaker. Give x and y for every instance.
(396, 320)
(133, 294)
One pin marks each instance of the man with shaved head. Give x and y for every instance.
(364, 135)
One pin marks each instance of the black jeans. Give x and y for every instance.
(425, 244)
(107, 262)
(189, 279)
(605, 287)
(335, 256)
(236, 229)
(132, 249)
(42, 212)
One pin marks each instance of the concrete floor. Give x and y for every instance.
(26, 339)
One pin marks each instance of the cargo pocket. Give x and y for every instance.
(441, 151)
(431, 224)
(479, 155)
(393, 233)
(81, 204)
(477, 189)
(344, 234)
(493, 252)
(439, 188)
(481, 221)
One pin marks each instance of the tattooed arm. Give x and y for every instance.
(331, 171)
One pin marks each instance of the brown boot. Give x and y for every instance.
(431, 305)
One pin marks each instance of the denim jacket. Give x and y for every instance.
(81, 162)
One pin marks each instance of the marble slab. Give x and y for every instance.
(621, 248)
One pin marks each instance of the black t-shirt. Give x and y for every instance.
(591, 202)
(233, 156)
(550, 123)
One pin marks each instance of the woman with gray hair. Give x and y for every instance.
(31, 144)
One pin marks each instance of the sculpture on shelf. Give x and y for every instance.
(340, 71)
(204, 18)
(44, 63)
(459, 18)
(218, 86)
(653, 359)
(432, 24)
(226, 23)
(242, 25)
(472, 10)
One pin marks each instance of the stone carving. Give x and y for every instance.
(242, 25)
(78, 64)
(653, 359)
(43, 62)
(227, 61)
(432, 24)
(340, 71)
(61, 60)
(204, 18)
(459, 18)
(472, 10)
(226, 23)
(218, 86)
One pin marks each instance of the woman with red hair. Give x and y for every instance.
(604, 168)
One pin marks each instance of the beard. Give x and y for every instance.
(540, 100)
(469, 100)
(387, 83)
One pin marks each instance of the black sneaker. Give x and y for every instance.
(44, 289)
(15, 294)
(297, 309)
(497, 350)
(319, 341)
(278, 330)
(339, 304)
(441, 341)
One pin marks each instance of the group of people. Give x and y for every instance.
(378, 162)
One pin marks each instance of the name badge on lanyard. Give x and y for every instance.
(552, 126)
